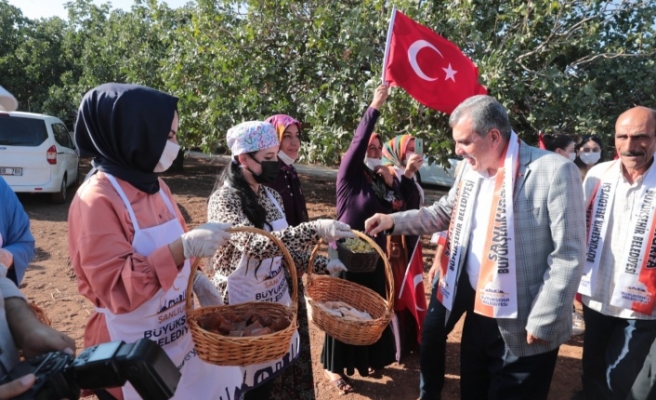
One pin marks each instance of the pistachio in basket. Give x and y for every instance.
(357, 245)
(249, 323)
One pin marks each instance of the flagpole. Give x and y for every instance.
(408, 267)
(389, 40)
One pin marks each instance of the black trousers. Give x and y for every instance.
(490, 371)
(614, 353)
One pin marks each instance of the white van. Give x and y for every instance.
(37, 154)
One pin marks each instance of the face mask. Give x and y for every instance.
(572, 157)
(372, 163)
(408, 154)
(269, 173)
(590, 158)
(285, 158)
(169, 155)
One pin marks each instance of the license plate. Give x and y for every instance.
(11, 171)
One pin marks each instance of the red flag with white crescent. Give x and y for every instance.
(430, 68)
(412, 292)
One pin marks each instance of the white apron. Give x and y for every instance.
(269, 284)
(162, 319)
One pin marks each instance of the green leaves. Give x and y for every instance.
(569, 67)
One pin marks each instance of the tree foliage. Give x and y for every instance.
(562, 66)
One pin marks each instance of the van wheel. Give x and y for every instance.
(60, 197)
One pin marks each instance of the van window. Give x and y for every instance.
(20, 131)
(62, 136)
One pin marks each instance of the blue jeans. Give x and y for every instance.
(432, 352)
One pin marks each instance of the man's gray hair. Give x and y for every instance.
(486, 113)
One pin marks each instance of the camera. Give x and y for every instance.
(60, 376)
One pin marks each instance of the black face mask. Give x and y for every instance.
(269, 173)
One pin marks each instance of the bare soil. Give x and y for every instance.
(51, 283)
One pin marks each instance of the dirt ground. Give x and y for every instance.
(50, 282)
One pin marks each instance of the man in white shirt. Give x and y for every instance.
(516, 229)
(619, 278)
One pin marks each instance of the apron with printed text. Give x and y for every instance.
(162, 319)
(263, 280)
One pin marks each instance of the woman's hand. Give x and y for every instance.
(413, 164)
(380, 95)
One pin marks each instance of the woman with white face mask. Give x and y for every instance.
(561, 144)
(128, 242)
(590, 152)
(400, 159)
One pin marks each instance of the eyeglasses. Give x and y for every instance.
(375, 148)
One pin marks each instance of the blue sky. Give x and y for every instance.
(34, 9)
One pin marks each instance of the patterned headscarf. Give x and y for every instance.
(394, 150)
(282, 122)
(374, 136)
(251, 136)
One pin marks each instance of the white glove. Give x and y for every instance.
(207, 294)
(205, 240)
(331, 230)
(334, 267)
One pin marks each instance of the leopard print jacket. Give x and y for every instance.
(225, 207)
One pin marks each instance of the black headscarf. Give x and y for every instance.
(125, 128)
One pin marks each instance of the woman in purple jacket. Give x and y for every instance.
(362, 192)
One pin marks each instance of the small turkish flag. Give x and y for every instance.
(430, 68)
(541, 143)
(412, 293)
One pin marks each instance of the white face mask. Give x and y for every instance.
(169, 155)
(572, 157)
(590, 158)
(372, 163)
(285, 158)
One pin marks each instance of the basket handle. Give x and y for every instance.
(389, 280)
(291, 266)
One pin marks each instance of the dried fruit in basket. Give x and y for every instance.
(342, 309)
(358, 245)
(249, 323)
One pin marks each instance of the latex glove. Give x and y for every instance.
(205, 240)
(334, 267)
(207, 293)
(331, 230)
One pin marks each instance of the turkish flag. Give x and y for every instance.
(430, 68)
(412, 293)
(541, 143)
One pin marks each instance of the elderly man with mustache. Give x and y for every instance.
(619, 277)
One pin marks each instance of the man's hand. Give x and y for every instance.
(378, 223)
(30, 335)
(380, 95)
(530, 339)
(6, 258)
(413, 164)
(433, 272)
(16, 387)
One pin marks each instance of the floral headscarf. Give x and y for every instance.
(394, 150)
(251, 136)
(282, 122)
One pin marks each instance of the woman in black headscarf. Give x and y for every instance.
(128, 242)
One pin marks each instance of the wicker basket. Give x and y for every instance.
(224, 350)
(324, 288)
(357, 262)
